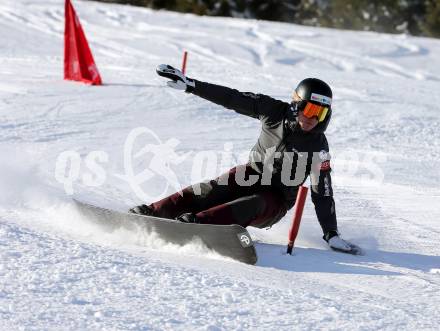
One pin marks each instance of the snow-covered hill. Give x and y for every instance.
(58, 271)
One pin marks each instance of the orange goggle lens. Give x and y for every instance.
(314, 110)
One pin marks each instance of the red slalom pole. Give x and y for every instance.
(185, 57)
(297, 214)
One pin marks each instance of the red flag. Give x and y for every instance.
(78, 60)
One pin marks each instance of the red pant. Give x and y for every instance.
(224, 201)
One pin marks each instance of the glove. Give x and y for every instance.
(291, 120)
(336, 242)
(294, 108)
(178, 80)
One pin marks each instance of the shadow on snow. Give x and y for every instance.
(321, 260)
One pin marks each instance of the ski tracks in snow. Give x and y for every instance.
(85, 282)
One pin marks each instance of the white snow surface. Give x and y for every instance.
(59, 271)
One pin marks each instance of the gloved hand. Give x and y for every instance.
(291, 120)
(336, 242)
(295, 108)
(178, 80)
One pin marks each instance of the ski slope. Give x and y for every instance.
(60, 271)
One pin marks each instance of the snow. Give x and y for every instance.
(60, 271)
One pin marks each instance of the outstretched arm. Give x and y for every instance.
(246, 103)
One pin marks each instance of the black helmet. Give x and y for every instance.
(314, 86)
(316, 91)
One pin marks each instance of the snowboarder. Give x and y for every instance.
(292, 146)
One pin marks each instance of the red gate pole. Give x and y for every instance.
(297, 214)
(185, 57)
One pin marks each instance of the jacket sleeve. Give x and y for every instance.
(322, 195)
(246, 103)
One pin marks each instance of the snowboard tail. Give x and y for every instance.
(231, 241)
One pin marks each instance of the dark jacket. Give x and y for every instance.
(284, 154)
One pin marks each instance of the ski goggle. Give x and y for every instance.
(311, 110)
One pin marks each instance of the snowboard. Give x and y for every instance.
(231, 241)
